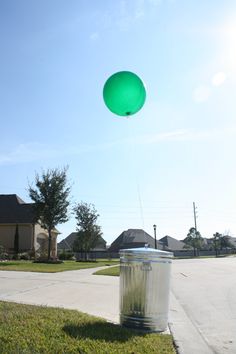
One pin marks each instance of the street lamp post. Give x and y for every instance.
(155, 235)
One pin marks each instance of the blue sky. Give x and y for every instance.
(148, 169)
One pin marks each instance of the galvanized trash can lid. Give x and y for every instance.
(145, 252)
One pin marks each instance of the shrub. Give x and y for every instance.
(31, 254)
(24, 256)
(50, 261)
(66, 255)
(15, 257)
(3, 253)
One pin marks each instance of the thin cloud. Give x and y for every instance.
(30, 152)
(127, 13)
(132, 11)
(178, 136)
(33, 151)
(27, 153)
(155, 138)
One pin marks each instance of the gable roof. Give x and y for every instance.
(67, 243)
(133, 238)
(172, 244)
(13, 210)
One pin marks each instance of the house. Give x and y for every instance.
(17, 221)
(172, 244)
(99, 251)
(207, 244)
(134, 238)
(67, 243)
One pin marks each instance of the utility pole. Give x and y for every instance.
(155, 235)
(195, 216)
(195, 222)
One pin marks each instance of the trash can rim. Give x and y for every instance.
(146, 250)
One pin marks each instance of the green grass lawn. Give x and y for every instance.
(113, 271)
(26, 329)
(29, 266)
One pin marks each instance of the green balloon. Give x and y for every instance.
(124, 93)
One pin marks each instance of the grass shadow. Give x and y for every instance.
(7, 263)
(101, 331)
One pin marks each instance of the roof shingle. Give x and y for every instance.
(133, 238)
(67, 243)
(172, 244)
(13, 210)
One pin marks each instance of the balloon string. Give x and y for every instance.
(141, 209)
(138, 186)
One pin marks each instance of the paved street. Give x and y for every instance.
(202, 303)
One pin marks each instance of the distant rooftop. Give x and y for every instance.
(173, 244)
(67, 243)
(131, 238)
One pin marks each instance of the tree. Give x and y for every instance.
(194, 239)
(16, 241)
(225, 241)
(50, 195)
(217, 242)
(88, 232)
(220, 242)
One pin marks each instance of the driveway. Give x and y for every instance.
(202, 301)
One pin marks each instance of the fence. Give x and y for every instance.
(202, 253)
(93, 255)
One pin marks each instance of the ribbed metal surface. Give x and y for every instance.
(144, 289)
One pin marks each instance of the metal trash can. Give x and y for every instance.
(144, 288)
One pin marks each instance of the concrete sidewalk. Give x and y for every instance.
(78, 289)
(187, 338)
